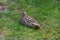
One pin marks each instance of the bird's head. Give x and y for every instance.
(24, 13)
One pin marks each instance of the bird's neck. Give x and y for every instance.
(23, 15)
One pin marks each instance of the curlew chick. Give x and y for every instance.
(29, 21)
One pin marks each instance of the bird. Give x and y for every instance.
(28, 20)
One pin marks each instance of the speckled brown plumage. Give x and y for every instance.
(29, 21)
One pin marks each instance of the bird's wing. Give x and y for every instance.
(30, 19)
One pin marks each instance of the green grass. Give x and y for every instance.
(46, 12)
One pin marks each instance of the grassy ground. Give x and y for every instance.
(47, 12)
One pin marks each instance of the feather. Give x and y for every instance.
(29, 21)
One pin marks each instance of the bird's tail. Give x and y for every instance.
(37, 26)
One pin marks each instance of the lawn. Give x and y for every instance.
(46, 12)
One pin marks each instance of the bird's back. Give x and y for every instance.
(29, 21)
